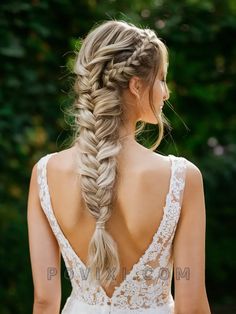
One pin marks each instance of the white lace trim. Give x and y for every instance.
(148, 284)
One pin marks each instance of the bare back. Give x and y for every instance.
(136, 215)
(158, 221)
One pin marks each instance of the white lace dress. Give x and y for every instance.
(146, 289)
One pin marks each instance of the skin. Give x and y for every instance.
(136, 97)
(135, 217)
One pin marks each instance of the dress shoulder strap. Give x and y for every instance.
(42, 179)
(179, 165)
(44, 194)
(45, 200)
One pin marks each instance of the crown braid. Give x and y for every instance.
(114, 71)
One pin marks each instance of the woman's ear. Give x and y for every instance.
(135, 86)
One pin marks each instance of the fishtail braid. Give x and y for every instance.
(110, 55)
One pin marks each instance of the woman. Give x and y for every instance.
(122, 216)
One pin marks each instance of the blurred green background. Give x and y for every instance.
(36, 49)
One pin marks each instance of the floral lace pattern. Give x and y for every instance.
(148, 284)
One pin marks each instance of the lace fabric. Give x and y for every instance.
(147, 287)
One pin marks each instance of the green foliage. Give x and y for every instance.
(36, 50)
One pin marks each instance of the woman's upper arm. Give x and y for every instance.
(189, 248)
(44, 250)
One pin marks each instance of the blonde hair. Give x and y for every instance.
(109, 56)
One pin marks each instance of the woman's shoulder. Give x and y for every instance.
(59, 160)
(192, 169)
(193, 179)
(193, 176)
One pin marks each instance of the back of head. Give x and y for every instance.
(110, 55)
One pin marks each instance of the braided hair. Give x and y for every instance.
(109, 56)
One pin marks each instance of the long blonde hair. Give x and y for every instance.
(109, 56)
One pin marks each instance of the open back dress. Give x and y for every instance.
(146, 289)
